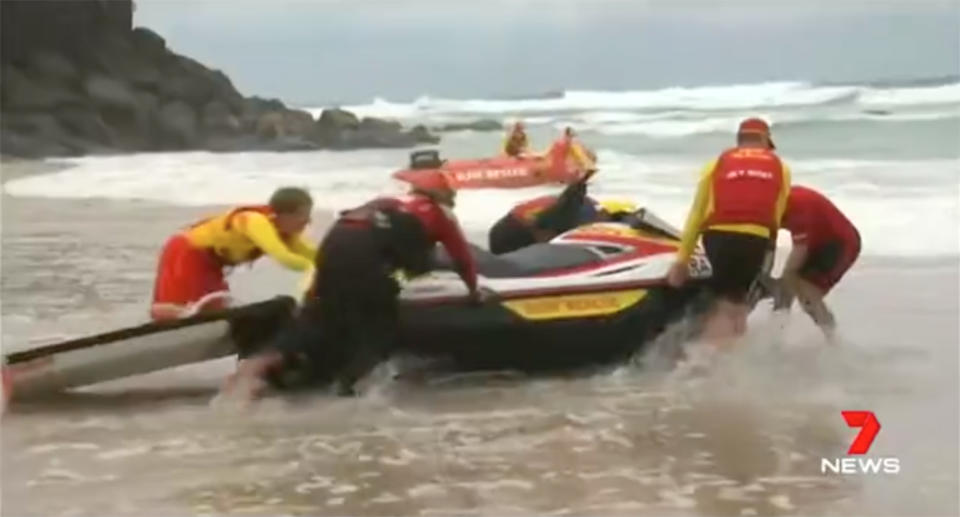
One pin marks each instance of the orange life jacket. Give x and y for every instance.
(746, 186)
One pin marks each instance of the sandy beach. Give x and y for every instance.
(745, 440)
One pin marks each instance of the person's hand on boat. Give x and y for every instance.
(482, 295)
(678, 274)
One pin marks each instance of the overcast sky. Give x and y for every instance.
(314, 52)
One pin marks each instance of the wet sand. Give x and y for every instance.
(744, 439)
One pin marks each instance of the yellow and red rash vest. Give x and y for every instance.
(528, 210)
(228, 243)
(746, 185)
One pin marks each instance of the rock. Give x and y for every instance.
(85, 122)
(24, 146)
(185, 79)
(148, 43)
(22, 92)
(178, 126)
(369, 139)
(254, 108)
(338, 119)
(422, 135)
(122, 110)
(243, 143)
(298, 122)
(38, 125)
(380, 125)
(340, 129)
(333, 127)
(41, 134)
(117, 57)
(478, 125)
(53, 67)
(107, 92)
(279, 124)
(190, 89)
(216, 118)
(78, 83)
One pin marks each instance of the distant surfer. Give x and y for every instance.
(825, 245)
(192, 263)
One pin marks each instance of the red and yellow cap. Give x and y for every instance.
(756, 126)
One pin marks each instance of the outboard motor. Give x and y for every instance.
(425, 159)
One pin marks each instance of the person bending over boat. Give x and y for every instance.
(348, 322)
(825, 245)
(191, 268)
(543, 218)
(516, 144)
(738, 207)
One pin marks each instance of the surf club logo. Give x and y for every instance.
(869, 428)
(488, 174)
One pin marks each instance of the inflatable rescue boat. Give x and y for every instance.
(591, 296)
(499, 172)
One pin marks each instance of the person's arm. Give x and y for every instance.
(785, 294)
(303, 247)
(581, 157)
(782, 199)
(453, 240)
(259, 229)
(563, 214)
(698, 212)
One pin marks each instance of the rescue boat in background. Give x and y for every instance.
(499, 172)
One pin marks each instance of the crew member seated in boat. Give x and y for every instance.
(567, 153)
(543, 218)
(348, 323)
(516, 144)
(192, 263)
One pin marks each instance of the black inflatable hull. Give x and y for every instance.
(497, 337)
(145, 348)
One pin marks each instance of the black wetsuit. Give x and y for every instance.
(348, 323)
(564, 212)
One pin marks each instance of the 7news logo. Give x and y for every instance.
(869, 428)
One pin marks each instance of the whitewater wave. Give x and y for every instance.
(672, 126)
(901, 207)
(769, 95)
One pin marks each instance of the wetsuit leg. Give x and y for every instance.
(349, 325)
(371, 328)
(510, 234)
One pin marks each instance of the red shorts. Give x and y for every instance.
(185, 274)
(826, 264)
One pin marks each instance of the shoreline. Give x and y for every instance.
(19, 168)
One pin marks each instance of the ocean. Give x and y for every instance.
(80, 239)
(888, 156)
